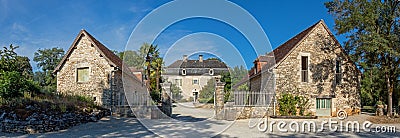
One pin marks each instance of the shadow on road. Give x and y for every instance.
(187, 118)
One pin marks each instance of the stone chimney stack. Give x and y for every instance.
(201, 58)
(184, 58)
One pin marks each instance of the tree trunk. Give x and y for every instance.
(157, 81)
(390, 93)
(148, 77)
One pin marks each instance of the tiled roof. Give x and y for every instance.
(284, 49)
(197, 64)
(108, 54)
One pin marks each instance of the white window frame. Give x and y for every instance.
(183, 71)
(211, 72)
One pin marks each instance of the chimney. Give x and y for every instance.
(184, 58)
(200, 58)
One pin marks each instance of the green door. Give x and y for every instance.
(323, 106)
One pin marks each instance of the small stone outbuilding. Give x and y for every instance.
(89, 68)
(312, 64)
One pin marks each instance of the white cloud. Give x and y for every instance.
(18, 27)
(139, 9)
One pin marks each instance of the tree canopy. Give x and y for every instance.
(47, 60)
(15, 74)
(372, 29)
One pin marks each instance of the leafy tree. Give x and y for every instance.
(147, 56)
(207, 92)
(23, 66)
(176, 92)
(15, 74)
(131, 58)
(47, 60)
(10, 61)
(12, 84)
(372, 29)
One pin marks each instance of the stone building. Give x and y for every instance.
(89, 68)
(312, 64)
(192, 75)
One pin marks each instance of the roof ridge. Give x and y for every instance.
(107, 53)
(284, 49)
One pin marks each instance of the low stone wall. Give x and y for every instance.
(40, 122)
(247, 112)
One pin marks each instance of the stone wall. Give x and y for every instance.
(46, 121)
(99, 87)
(322, 51)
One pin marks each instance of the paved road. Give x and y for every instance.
(193, 122)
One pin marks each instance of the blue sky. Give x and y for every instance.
(39, 24)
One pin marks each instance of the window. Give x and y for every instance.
(338, 72)
(183, 71)
(211, 72)
(195, 81)
(304, 68)
(82, 74)
(323, 103)
(178, 82)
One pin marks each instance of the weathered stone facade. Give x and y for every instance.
(184, 72)
(324, 54)
(104, 82)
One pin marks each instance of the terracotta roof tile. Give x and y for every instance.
(108, 54)
(284, 49)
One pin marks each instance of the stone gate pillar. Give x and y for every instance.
(166, 102)
(219, 98)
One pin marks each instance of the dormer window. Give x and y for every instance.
(211, 72)
(183, 71)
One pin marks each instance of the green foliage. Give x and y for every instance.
(10, 61)
(148, 57)
(47, 60)
(12, 84)
(176, 92)
(132, 58)
(243, 87)
(373, 39)
(15, 74)
(288, 104)
(302, 104)
(238, 73)
(207, 92)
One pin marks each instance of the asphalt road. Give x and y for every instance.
(194, 122)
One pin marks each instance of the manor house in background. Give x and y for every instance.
(192, 75)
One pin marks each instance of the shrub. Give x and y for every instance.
(288, 104)
(12, 84)
(207, 92)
